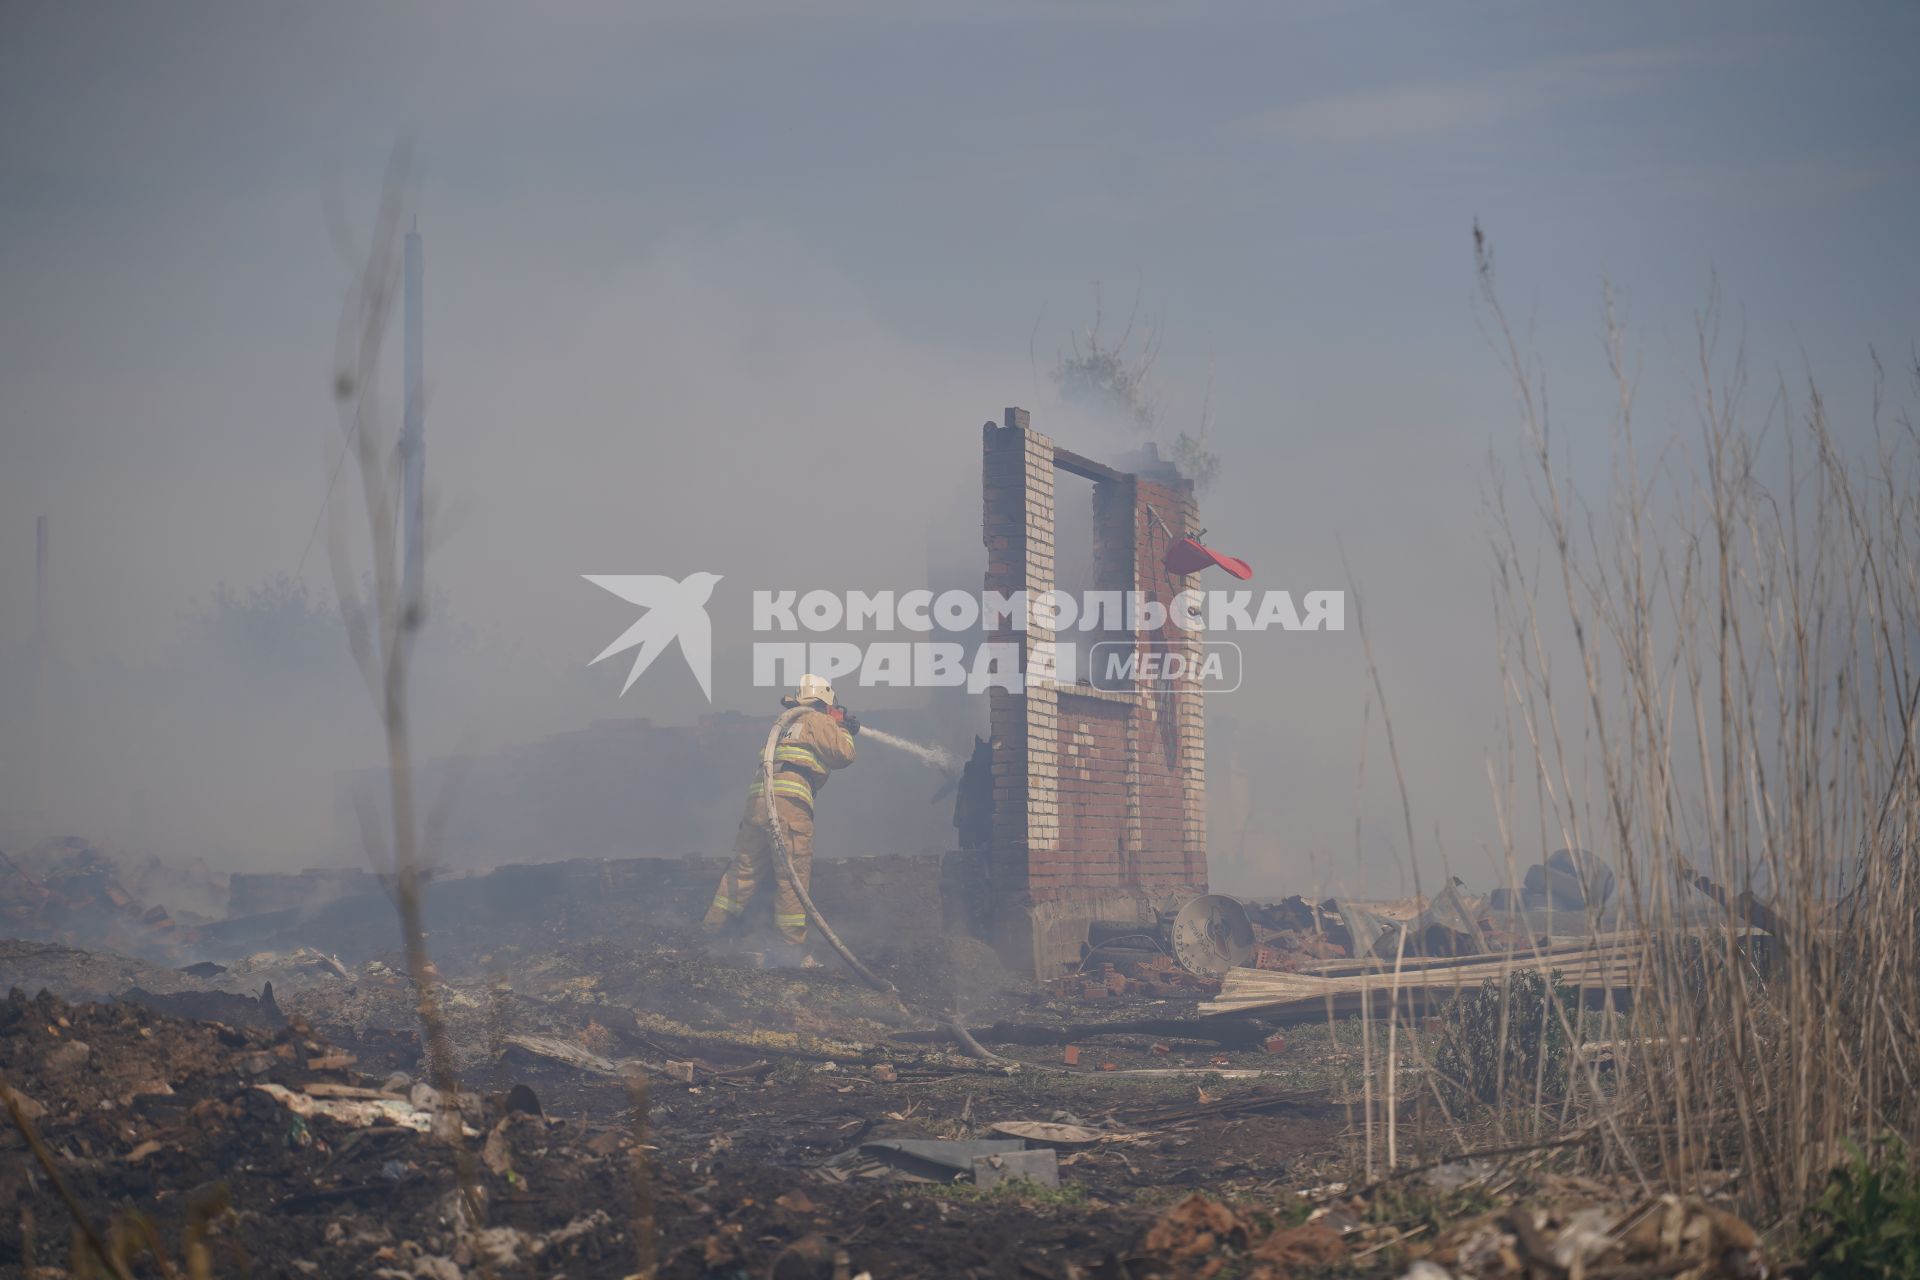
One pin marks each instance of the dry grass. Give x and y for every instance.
(1711, 679)
(383, 607)
(1746, 625)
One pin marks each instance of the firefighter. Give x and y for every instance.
(818, 741)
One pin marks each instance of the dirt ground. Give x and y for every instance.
(732, 1120)
(656, 1108)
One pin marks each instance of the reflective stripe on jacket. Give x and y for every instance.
(813, 746)
(792, 786)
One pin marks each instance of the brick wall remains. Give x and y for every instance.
(1169, 726)
(1096, 789)
(1095, 850)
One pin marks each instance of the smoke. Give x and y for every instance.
(761, 343)
(697, 407)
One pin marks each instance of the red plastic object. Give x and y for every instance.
(1189, 556)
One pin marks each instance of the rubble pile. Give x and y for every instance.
(639, 1099)
(1548, 1227)
(66, 891)
(273, 1154)
(1290, 950)
(1154, 977)
(286, 1151)
(1665, 1235)
(271, 1110)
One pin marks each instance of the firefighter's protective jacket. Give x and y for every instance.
(813, 746)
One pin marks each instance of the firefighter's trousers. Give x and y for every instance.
(755, 862)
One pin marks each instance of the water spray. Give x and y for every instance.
(933, 757)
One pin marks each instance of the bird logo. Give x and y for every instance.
(675, 611)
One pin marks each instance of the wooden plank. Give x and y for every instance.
(1069, 461)
(1373, 964)
(1255, 984)
(1264, 979)
(1250, 990)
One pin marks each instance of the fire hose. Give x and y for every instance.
(785, 855)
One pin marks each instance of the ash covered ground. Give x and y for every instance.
(636, 1098)
(631, 1093)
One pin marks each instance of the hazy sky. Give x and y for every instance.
(688, 260)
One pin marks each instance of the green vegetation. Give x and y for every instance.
(1503, 1043)
(1022, 1191)
(1866, 1221)
(1414, 1202)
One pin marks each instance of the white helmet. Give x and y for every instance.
(814, 689)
